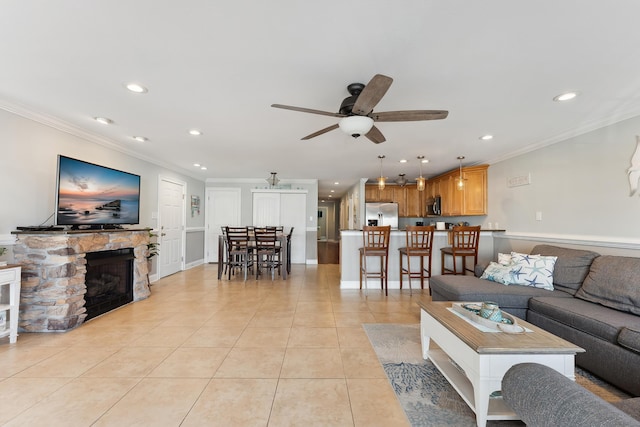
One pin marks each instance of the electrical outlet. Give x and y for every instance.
(538, 216)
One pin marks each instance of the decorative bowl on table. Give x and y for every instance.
(471, 311)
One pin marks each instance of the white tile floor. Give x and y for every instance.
(205, 352)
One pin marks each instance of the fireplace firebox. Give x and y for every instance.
(109, 280)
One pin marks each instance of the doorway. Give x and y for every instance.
(222, 209)
(323, 211)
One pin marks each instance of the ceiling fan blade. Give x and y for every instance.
(375, 135)
(320, 132)
(371, 94)
(307, 110)
(409, 115)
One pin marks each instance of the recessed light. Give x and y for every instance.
(425, 160)
(136, 88)
(336, 183)
(330, 195)
(195, 132)
(333, 191)
(486, 137)
(204, 168)
(565, 96)
(140, 138)
(103, 120)
(403, 161)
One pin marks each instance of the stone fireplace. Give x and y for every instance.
(56, 288)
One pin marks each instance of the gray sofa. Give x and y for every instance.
(543, 397)
(595, 304)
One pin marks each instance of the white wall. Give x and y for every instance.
(246, 201)
(580, 186)
(28, 167)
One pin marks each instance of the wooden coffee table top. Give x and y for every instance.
(538, 341)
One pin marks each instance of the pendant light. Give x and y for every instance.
(273, 180)
(460, 183)
(420, 181)
(382, 181)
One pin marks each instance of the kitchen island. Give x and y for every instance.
(351, 241)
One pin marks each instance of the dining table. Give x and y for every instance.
(282, 238)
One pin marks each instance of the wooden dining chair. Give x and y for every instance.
(288, 261)
(267, 250)
(464, 241)
(239, 250)
(419, 242)
(375, 243)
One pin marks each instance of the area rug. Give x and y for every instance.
(425, 395)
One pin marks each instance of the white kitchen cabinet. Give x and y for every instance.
(9, 301)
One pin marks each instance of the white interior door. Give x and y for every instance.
(223, 208)
(266, 209)
(171, 223)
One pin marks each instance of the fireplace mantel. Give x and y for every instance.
(53, 273)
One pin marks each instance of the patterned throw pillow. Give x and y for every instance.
(533, 270)
(504, 259)
(498, 273)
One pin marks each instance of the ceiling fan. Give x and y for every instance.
(356, 111)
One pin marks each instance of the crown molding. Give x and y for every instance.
(73, 130)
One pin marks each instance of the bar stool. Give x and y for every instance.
(464, 244)
(419, 244)
(375, 241)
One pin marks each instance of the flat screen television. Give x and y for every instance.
(94, 195)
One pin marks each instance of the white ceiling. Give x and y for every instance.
(219, 65)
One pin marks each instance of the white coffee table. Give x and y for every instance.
(474, 361)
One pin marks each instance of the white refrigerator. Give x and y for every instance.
(382, 214)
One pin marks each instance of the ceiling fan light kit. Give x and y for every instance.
(356, 125)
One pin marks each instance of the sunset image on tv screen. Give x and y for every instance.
(92, 194)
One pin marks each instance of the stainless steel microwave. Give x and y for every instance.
(434, 206)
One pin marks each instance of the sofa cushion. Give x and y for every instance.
(471, 288)
(571, 267)
(613, 281)
(630, 338)
(629, 406)
(593, 319)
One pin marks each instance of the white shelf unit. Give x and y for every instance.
(10, 283)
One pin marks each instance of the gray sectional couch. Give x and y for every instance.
(543, 397)
(595, 304)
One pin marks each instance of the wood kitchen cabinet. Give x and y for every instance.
(475, 191)
(411, 202)
(373, 194)
(471, 200)
(415, 202)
